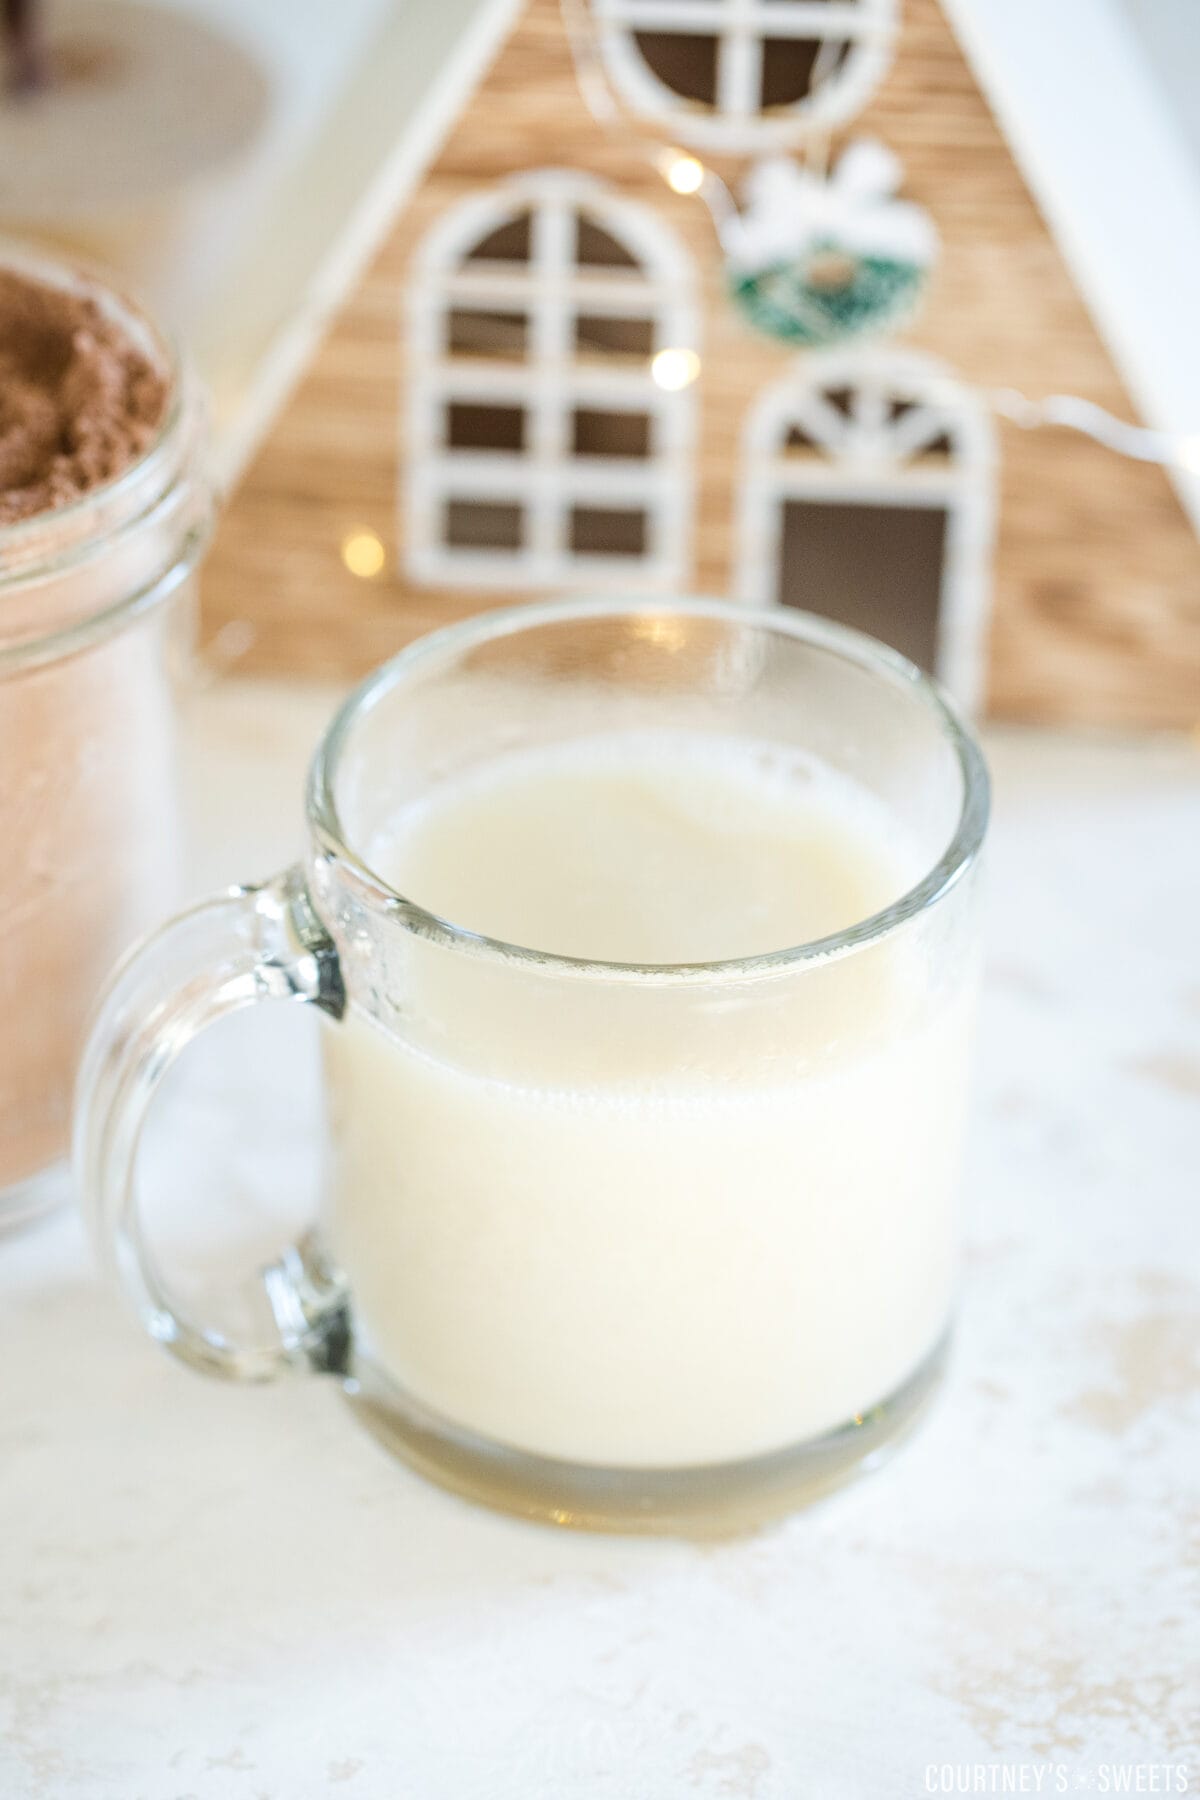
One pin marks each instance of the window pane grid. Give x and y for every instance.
(584, 382)
(882, 425)
(757, 18)
(552, 257)
(617, 293)
(505, 475)
(540, 510)
(740, 75)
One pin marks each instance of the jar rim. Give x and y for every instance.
(19, 541)
(853, 647)
(59, 539)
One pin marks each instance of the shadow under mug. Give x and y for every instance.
(666, 1247)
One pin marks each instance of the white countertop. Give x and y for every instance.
(233, 1594)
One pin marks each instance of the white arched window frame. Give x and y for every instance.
(545, 479)
(736, 120)
(874, 450)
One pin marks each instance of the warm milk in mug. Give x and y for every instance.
(652, 1261)
(646, 957)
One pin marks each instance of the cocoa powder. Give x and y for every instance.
(79, 402)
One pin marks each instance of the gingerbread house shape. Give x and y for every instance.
(538, 384)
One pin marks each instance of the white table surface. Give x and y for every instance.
(234, 1594)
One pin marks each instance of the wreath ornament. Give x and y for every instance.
(814, 260)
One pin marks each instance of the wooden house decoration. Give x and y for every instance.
(537, 384)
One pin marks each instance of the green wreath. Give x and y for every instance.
(800, 303)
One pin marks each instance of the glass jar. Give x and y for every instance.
(95, 614)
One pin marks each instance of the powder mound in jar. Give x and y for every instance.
(79, 401)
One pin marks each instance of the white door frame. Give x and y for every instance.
(871, 459)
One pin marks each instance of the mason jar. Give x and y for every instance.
(95, 622)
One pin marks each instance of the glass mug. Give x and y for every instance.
(662, 1246)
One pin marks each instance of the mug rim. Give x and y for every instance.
(854, 647)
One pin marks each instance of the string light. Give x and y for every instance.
(674, 369)
(1138, 442)
(363, 552)
(364, 555)
(683, 174)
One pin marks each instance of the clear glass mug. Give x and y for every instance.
(663, 1247)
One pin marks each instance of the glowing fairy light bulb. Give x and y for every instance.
(363, 554)
(684, 174)
(674, 369)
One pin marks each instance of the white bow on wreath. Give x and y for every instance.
(813, 259)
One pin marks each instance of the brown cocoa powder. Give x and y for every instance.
(78, 401)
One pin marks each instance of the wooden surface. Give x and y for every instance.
(1097, 582)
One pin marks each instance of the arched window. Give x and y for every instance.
(553, 340)
(740, 75)
(867, 496)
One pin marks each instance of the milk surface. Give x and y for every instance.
(632, 1227)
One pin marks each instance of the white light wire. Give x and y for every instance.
(1138, 442)
(1071, 411)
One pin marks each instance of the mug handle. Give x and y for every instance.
(228, 952)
